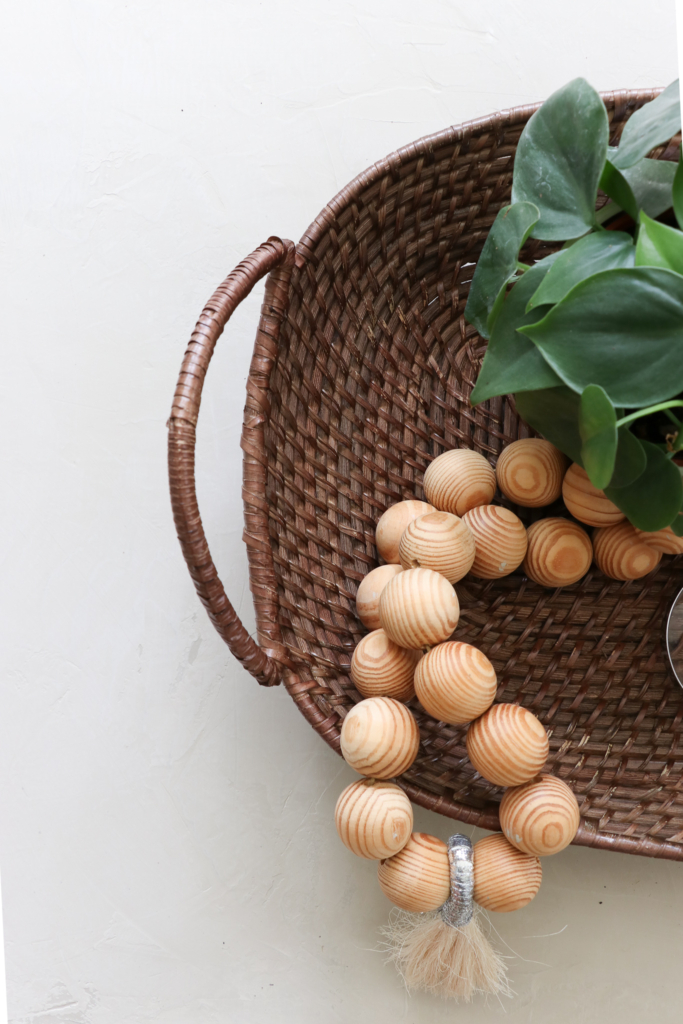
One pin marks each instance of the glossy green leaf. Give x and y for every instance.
(631, 459)
(659, 245)
(512, 362)
(651, 182)
(497, 263)
(554, 413)
(653, 124)
(614, 184)
(653, 500)
(559, 159)
(677, 524)
(677, 192)
(598, 430)
(602, 250)
(621, 329)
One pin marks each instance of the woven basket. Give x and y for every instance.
(360, 376)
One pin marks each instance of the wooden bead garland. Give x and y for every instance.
(418, 608)
(458, 480)
(369, 590)
(530, 472)
(541, 817)
(438, 541)
(392, 524)
(507, 745)
(499, 538)
(664, 541)
(455, 682)
(585, 502)
(380, 738)
(380, 668)
(505, 879)
(374, 819)
(559, 552)
(418, 878)
(621, 554)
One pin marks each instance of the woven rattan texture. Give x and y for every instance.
(374, 367)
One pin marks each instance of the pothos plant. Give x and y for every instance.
(590, 338)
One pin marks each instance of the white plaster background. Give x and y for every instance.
(166, 835)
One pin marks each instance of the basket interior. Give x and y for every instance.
(371, 382)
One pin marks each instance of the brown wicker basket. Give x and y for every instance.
(360, 376)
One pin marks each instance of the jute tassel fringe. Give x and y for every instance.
(446, 952)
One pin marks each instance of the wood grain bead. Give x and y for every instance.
(665, 541)
(418, 608)
(507, 745)
(530, 472)
(379, 738)
(374, 819)
(369, 589)
(392, 524)
(499, 539)
(585, 502)
(458, 480)
(438, 541)
(621, 554)
(418, 878)
(380, 668)
(455, 682)
(505, 879)
(541, 817)
(559, 552)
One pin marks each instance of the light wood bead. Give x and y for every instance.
(369, 589)
(418, 608)
(530, 472)
(380, 738)
(559, 552)
(380, 668)
(455, 682)
(419, 877)
(505, 879)
(374, 819)
(392, 524)
(438, 541)
(458, 480)
(507, 745)
(541, 817)
(665, 541)
(585, 502)
(621, 554)
(499, 539)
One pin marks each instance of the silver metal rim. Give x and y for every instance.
(679, 596)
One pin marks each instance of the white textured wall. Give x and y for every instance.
(166, 835)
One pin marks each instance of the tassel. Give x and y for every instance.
(447, 952)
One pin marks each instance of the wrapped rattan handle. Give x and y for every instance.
(182, 439)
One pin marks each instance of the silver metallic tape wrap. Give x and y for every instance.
(457, 911)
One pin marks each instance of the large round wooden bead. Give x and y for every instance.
(418, 608)
(507, 745)
(530, 472)
(621, 554)
(459, 480)
(505, 879)
(438, 541)
(380, 738)
(455, 682)
(380, 668)
(419, 877)
(541, 817)
(559, 552)
(374, 819)
(585, 502)
(392, 524)
(664, 541)
(499, 539)
(369, 589)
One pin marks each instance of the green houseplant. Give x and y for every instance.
(590, 338)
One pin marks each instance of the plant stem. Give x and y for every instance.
(673, 419)
(661, 407)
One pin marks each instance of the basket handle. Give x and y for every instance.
(181, 451)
